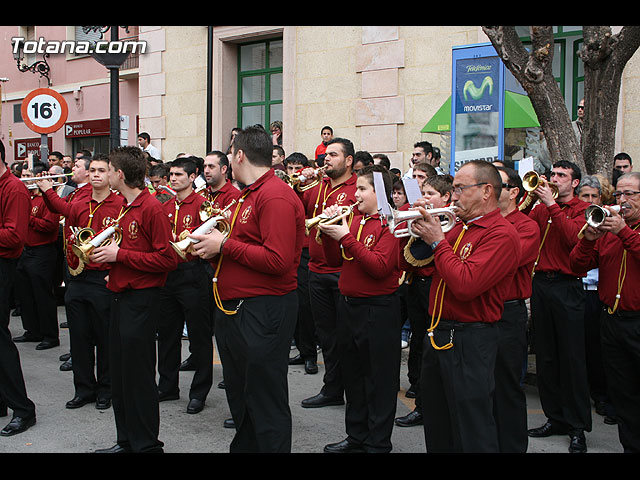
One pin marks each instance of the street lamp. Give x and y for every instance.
(41, 66)
(113, 62)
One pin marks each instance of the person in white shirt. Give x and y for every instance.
(144, 140)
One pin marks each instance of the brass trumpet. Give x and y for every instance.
(184, 245)
(328, 220)
(87, 240)
(530, 182)
(397, 217)
(296, 179)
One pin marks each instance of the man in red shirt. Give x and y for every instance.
(509, 401)
(139, 267)
(368, 318)
(557, 311)
(87, 298)
(336, 188)
(469, 286)
(186, 297)
(614, 248)
(35, 272)
(255, 292)
(14, 212)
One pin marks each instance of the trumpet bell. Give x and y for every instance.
(595, 215)
(184, 245)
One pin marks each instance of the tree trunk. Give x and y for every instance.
(534, 72)
(604, 56)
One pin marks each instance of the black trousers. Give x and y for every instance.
(35, 288)
(593, 349)
(457, 389)
(13, 392)
(325, 294)
(557, 314)
(621, 356)
(369, 349)
(132, 359)
(186, 297)
(419, 319)
(305, 333)
(510, 401)
(254, 349)
(88, 303)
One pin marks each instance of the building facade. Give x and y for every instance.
(376, 85)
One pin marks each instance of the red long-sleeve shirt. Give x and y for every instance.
(529, 233)
(186, 217)
(606, 254)
(62, 206)
(43, 224)
(566, 221)
(145, 256)
(315, 200)
(15, 207)
(223, 197)
(262, 254)
(102, 214)
(479, 272)
(373, 269)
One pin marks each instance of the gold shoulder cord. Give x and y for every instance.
(216, 294)
(411, 260)
(357, 237)
(434, 321)
(621, 277)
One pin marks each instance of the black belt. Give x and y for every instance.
(518, 301)
(624, 313)
(557, 275)
(452, 325)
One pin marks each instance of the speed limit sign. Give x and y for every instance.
(44, 110)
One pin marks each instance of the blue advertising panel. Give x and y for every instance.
(477, 119)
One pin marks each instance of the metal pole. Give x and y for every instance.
(114, 134)
(44, 149)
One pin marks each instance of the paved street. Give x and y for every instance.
(60, 430)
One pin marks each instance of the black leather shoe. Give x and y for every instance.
(103, 403)
(163, 397)
(221, 385)
(64, 357)
(608, 419)
(321, 400)
(77, 402)
(412, 392)
(297, 360)
(26, 337)
(18, 425)
(16, 312)
(188, 365)
(46, 344)
(67, 366)
(411, 420)
(195, 406)
(229, 423)
(547, 430)
(310, 367)
(578, 443)
(115, 449)
(344, 446)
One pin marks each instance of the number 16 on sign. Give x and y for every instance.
(44, 111)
